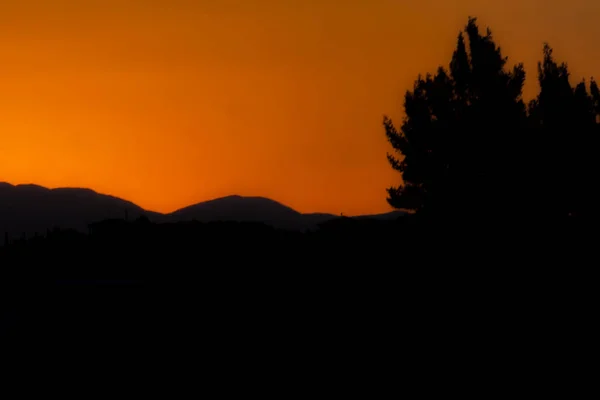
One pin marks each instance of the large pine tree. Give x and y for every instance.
(458, 129)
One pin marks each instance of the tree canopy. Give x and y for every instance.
(468, 144)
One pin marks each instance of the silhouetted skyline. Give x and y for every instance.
(167, 103)
(28, 210)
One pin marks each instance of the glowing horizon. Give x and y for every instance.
(167, 103)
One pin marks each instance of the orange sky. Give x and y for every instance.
(172, 102)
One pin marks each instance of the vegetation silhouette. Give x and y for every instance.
(499, 194)
(470, 150)
(236, 294)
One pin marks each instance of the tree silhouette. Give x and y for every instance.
(458, 129)
(468, 147)
(565, 131)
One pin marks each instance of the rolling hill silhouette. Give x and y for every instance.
(238, 208)
(30, 209)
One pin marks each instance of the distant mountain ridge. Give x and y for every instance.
(27, 209)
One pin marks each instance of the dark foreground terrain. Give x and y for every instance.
(351, 304)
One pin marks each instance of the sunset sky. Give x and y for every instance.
(171, 102)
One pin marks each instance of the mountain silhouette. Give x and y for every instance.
(30, 209)
(246, 209)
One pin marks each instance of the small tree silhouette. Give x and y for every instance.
(566, 136)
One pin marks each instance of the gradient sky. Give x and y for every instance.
(172, 102)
